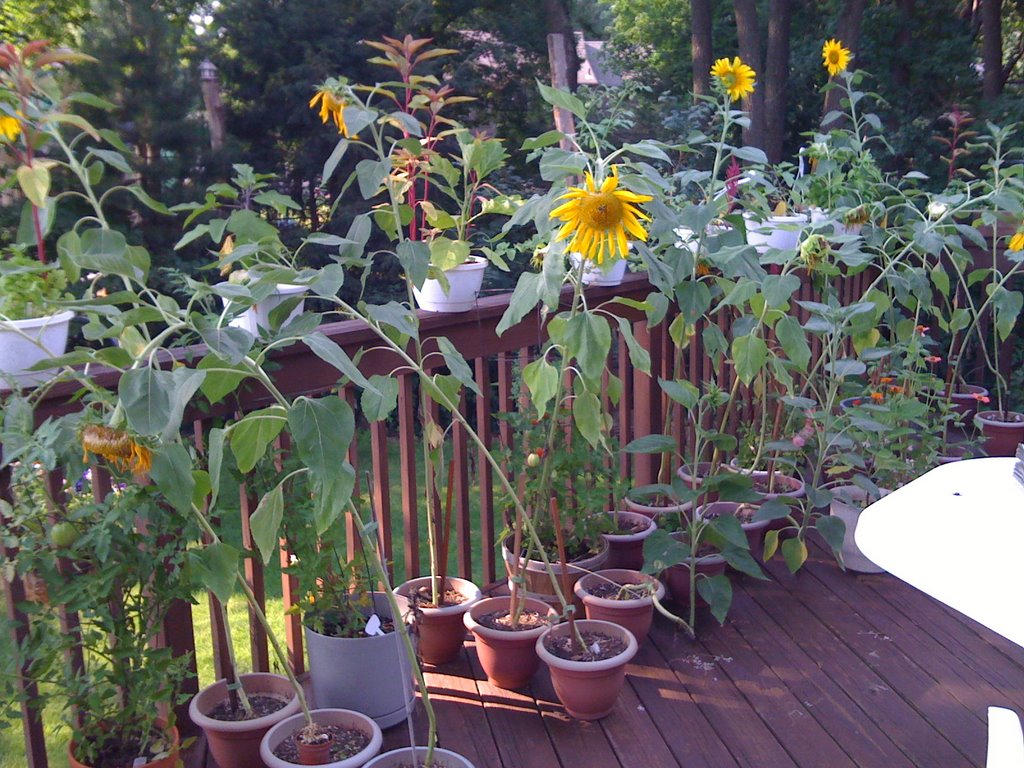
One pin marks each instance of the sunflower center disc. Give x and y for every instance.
(602, 211)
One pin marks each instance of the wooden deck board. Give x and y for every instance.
(822, 668)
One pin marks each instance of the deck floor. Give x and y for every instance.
(823, 669)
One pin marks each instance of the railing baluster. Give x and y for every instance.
(460, 455)
(407, 452)
(625, 409)
(485, 474)
(646, 390)
(254, 578)
(381, 490)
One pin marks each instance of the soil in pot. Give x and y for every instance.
(502, 620)
(126, 751)
(611, 591)
(343, 744)
(261, 704)
(599, 646)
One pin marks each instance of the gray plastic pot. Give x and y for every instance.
(371, 675)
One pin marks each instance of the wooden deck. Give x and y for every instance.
(825, 669)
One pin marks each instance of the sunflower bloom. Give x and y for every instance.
(1017, 242)
(10, 128)
(599, 218)
(116, 446)
(736, 77)
(835, 58)
(332, 107)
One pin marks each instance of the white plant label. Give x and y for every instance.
(595, 648)
(373, 626)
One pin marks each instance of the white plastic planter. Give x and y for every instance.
(369, 674)
(464, 283)
(609, 273)
(847, 504)
(781, 232)
(399, 758)
(257, 316)
(23, 343)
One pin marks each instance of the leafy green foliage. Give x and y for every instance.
(29, 289)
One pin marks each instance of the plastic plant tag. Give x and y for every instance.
(373, 626)
(595, 649)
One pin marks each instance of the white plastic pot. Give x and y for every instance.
(23, 343)
(406, 757)
(609, 273)
(369, 674)
(344, 718)
(464, 283)
(847, 504)
(257, 316)
(781, 232)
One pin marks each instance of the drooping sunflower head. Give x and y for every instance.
(835, 58)
(116, 446)
(331, 98)
(1017, 241)
(735, 77)
(599, 218)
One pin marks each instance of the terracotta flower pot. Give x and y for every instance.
(626, 550)
(170, 761)
(402, 758)
(440, 630)
(655, 511)
(538, 581)
(677, 577)
(963, 398)
(236, 744)
(508, 657)
(694, 478)
(1001, 436)
(588, 689)
(634, 614)
(754, 531)
(344, 718)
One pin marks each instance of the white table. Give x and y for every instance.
(956, 533)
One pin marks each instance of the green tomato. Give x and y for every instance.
(533, 460)
(63, 535)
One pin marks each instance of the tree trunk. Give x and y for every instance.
(558, 23)
(700, 46)
(848, 33)
(776, 76)
(904, 44)
(992, 48)
(750, 51)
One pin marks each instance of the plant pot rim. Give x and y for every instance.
(207, 723)
(603, 665)
(574, 566)
(715, 558)
(630, 537)
(383, 614)
(291, 724)
(992, 417)
(488, 604)
(615, 574)
(705, 509)
(471, 264)
(772, 218)
(380, 761)
(652, 510)
(465, 587)
(30, 323)
(964, 390)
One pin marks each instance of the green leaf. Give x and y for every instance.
(380, 398)
(773, 509)
(330, 352)
(662, 550)
(321, 430)
(778, 289)
(729, 528)
(544, 140)
(201, 487)
(556, 97)
(648, 149)
(35, 183)
(741, 560)
(589, 339)
(750, 354)
(771, 544)
(371, 175)
(457, 365)
(394, 315)
(231, 344)
(172, 473)
(106, 250)
(450, 391)
(250, 436)
(541, 379)
(794, 342)
(186, 383)
(694, 299)
(586, 413)
(524, 298)
(639, 356)
(682, 392)
(652, 444)
(217, 566)
(215, 460)
(332, 162)
(112, 158)
(446, 253)
(414, 256)
(833, 530)
(331, 494)
(794, 552)
(146, 395)
(219, 383)
(266, 523)
(717, 590)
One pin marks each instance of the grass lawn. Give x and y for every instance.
(12, 754)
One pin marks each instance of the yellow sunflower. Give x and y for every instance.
(1017, 242)
(736, 77)
(835, 58)
(116, 446)
(10, 128)
(332, 107)
(599, 218)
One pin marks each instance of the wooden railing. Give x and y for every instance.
(495, 360)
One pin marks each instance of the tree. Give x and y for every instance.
(992, 48)
(749, 33)
(848, 29)
(58, 21)
(700, 46)
(776, 76)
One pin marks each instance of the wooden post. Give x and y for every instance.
(560, 79)
(210, 87)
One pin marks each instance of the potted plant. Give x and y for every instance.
(506, 629)
(622, 596)
(626, 539)
(27, 335)
(354, 739)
